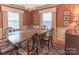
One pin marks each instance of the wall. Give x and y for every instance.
(28, 18)
(0, 23)
(0, 19)
(73, 8)
(36, 17)
(60, 12)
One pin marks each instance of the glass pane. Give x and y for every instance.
(13, 20)
(47, 19)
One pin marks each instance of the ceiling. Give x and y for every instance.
(31, 7)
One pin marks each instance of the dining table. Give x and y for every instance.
(19, 36)
(16, 37)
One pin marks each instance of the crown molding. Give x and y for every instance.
(23, 8)
(13, 6)
(47, 6)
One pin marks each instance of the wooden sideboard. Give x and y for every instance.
(71, 42)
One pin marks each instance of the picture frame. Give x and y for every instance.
(66, 17)
(67, 12)
(66, 23)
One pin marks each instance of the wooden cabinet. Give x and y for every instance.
(71, 42)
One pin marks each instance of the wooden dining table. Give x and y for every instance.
(16, 37)
(19, 36)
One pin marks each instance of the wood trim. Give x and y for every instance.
(4, 8)
(21, 21)
(54, 25)
(38, 8)
(48, 10)
(13, 6)
(4, 21)
(47, 6)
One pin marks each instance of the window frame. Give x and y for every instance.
(50, 20)
(18, 20)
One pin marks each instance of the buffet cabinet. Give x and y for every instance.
(71, 42)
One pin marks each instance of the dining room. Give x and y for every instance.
(25, 23)
(39, 29)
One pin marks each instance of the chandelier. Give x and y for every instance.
(30, 7)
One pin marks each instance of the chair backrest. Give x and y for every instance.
(6, 47)
(36, 26)
(25, 28)
(23, 44)
(44, 27)
(31, 44)
(49, 33)
(9, 29)
(35, 40)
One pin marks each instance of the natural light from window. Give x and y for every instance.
(47, 19)
(13, 20)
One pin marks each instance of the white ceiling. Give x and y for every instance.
(31, 7)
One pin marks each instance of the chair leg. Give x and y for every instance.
(37, 51)
(51, 42)
(48, 44)
(0, 52)
(42, 44)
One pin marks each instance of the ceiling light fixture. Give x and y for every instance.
(30, 7)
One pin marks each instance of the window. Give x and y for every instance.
(13, 20)
(47, 19)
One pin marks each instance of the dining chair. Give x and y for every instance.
(31, 46)
(9, 29)
(44, 27)
(36, 27)
(6, 48)
(47, 38)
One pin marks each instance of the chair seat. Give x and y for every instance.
(45, 38)
(24, 51)
(7, 48)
